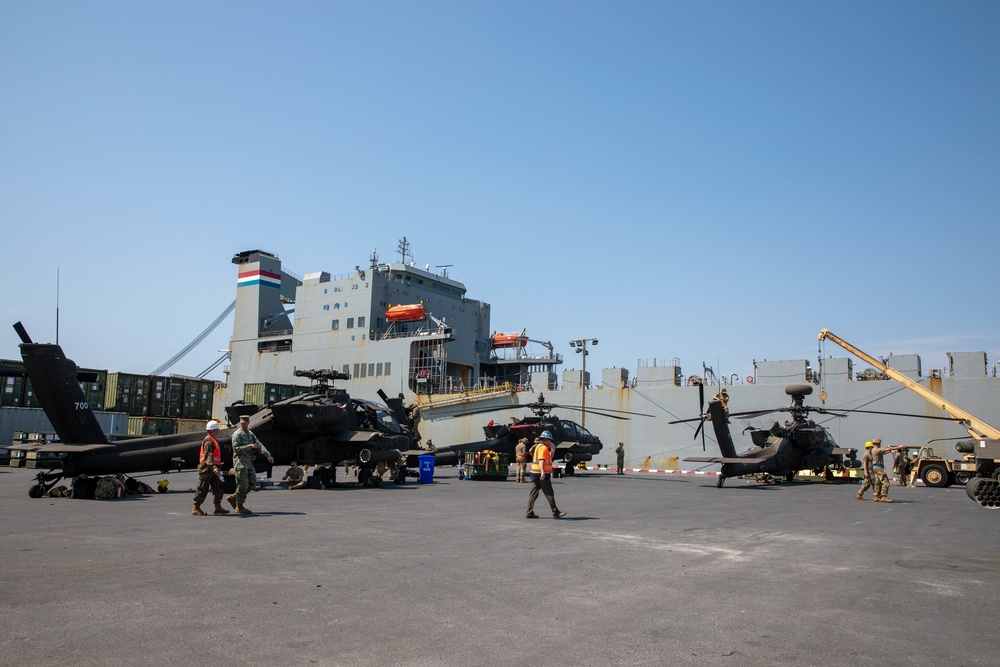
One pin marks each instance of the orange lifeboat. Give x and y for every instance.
(410, 313)
(501, 340)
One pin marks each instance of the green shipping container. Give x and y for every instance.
(127, 393)
(198, 397)
(30, 400)
(166, 396)
(94, 385)
(262, 393)
(151, 426)
(12, 391)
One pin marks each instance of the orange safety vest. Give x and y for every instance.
(216, 455)
(544, 455)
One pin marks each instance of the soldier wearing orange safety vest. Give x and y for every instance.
(541, 476)
(208, 472)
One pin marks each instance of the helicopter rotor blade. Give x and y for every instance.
(750, 414)
(902, 414)
(599, 410)
(684, 421)
(701, 410)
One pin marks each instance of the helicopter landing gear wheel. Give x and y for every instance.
(36, 491)
(719, 482)
(790, 477)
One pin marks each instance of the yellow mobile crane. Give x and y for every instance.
(981, 458)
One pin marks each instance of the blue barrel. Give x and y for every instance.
(426, 468)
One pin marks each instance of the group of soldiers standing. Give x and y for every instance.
(873, 463)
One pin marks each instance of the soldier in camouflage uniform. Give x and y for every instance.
(208, 472)
(245, 445)
(881, 482)
(866, 465)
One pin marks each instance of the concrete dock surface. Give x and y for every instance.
(646, 570)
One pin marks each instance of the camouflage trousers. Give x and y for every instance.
(521, 466)
(208, 481)
(867, 484)
(880, 482)
(246, 479)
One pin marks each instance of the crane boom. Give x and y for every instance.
(976, 427)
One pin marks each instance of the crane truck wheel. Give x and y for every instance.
(934, 475)
(963, 477)
(996, 474)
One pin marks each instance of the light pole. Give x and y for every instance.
(580, 345)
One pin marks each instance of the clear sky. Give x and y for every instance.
(714, 181)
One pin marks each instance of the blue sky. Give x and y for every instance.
(714, 181)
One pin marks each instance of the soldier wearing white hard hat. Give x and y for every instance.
(209, 461)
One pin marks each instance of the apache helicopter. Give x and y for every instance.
(574, 443)
(781, 451)
(325, 427)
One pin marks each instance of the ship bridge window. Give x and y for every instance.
(378, 369)
(335, 325)
(350, 322)
(387, 367)
(346, 369)
(361, 322)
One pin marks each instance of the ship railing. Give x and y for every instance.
(444, 399)
(274, 332)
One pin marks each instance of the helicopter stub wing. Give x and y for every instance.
(66, 448)
(722, 459)
(843, 451)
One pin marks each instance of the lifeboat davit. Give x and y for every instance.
(501, 340)
(410, 313)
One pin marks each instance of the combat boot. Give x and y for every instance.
(240, 509)
(219, 509)
(232, 500)
(196, 511)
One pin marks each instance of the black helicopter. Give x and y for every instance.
(325, 427)
(574, 443)
(780, 451)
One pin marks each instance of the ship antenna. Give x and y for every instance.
(404, 250)
(374, 258)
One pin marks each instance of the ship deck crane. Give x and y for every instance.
(976, 427)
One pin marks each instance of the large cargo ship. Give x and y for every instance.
(411, 331)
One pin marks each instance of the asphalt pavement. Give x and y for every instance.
(647, 569)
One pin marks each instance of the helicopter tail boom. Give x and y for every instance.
(720, 423)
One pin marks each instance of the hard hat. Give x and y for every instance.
(869, 444)
(212, 425)
(546, 435)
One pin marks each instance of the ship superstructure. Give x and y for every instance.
(390, 326)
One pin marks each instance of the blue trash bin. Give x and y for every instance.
(426, 468)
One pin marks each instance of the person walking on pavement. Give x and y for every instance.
(521, 457)
(541, 476)
(208, 472)
(245, 444)
(620, 453)
(866, 465)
